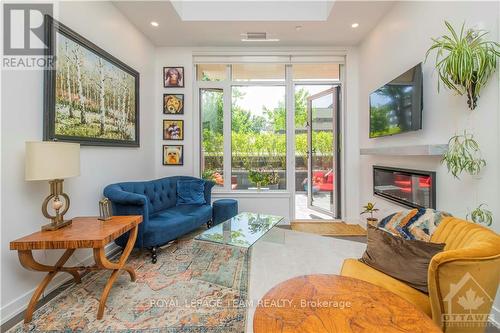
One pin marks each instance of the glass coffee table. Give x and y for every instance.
(243, 230)
(275, 253)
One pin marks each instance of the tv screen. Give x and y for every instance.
(397, 106)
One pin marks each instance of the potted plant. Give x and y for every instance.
(273, 178)
(208, 174)
(258, 177)
(369, 208)
(213, 176)
(465, 61)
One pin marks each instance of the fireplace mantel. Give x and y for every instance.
(414, 150)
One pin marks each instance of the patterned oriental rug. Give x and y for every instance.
(194, 287)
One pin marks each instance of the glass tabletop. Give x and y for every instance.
(243, 230)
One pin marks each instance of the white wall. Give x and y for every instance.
(400, 41)
(22, 110)
(271, 203)
(350, 136)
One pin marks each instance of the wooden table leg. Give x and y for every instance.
(28, 262)
(117, 267)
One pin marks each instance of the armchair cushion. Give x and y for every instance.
(405, 260)
(356, 269)
(190, 192)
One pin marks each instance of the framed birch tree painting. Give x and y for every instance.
(91, 97)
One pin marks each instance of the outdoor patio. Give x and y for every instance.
(302, 212)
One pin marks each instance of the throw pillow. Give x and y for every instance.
(405, 260)
(417, 224)
(191, 192)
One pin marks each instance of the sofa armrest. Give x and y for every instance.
(119, 196)
(129, 203)
(208, 191)
(452, 267)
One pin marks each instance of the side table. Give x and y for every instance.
(84, 232)
(337, 304)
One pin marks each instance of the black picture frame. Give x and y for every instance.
(179, 122)
(52, 28)
(180, 148)
(167, 97)
(180, 70)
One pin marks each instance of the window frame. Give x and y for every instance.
(287, 111)
(200, 132)
(226, 86)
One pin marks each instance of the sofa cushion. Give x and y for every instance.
(177, 221)
(405, 260)
(190, 192)
(162, 230)
(201, 212)
(356, 269)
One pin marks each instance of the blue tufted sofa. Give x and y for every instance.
(155, 200)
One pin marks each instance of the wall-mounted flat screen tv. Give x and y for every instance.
(397, 106)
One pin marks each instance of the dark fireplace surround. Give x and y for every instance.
(405, 187)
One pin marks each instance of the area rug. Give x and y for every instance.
(195, 286)
(333, 229)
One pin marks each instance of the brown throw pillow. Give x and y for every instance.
(405, 260)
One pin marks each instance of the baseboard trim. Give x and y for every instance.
(18, 305)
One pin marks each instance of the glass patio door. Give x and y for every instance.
(323, 192)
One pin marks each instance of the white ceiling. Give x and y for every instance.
(336, 30)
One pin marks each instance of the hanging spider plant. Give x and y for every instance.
(481, 215)
(465, 61)
(463, 155)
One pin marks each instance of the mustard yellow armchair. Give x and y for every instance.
(463, 279)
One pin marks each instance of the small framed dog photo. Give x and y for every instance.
(173, 103)
(173, 155)
(173, 129)
(173, 77)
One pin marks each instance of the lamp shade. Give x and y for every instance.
(49, 160)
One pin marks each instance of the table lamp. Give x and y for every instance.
(53, 161)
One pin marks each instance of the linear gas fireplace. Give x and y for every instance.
(409, 188)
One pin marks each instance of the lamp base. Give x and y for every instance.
(55, 226)
(56, 191)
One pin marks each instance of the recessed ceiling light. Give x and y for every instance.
(154, 23)
(355, 25)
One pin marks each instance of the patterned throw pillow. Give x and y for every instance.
(417, 224)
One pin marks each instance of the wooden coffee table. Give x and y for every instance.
(84, 232)
(337, 304)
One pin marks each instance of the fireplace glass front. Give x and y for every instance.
(410, 188)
